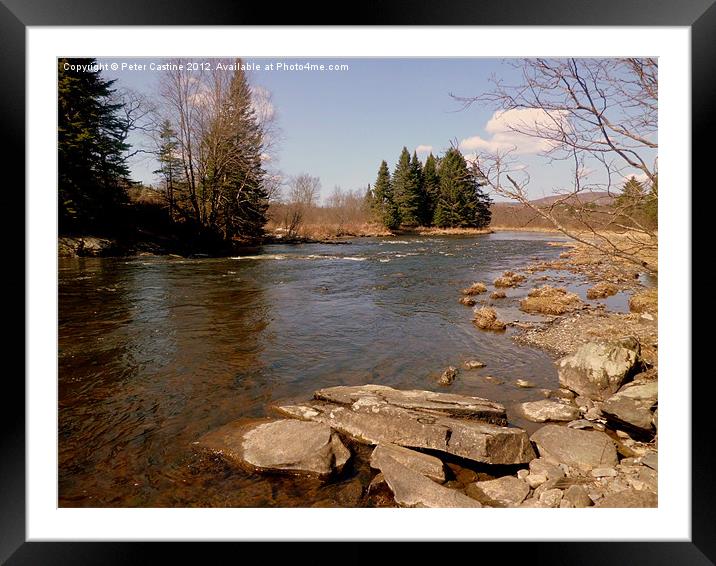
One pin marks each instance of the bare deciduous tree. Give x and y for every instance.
(600, 115)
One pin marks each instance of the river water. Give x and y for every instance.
(156, 351)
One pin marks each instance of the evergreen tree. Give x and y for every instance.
(461, 202)
(384, 206)
(406, 191)
(170, 166)
(243, 200)
(431, 189)
(92, 173)
(416, 169)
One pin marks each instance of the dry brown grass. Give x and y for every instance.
(509, 279)
(475, 289)
(550, 300)
(601, 290)
(645, 301)
(486, 318)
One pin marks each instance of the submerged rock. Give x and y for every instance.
(287, 445)
(418, 419)
(545, 410)
(448, 376)
(597, 370)
(524, 383)
(577, 448)
(427, 465)
(412, 489)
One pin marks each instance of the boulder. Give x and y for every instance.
(541, 467)
(551, 497)
(597, 370)
(371, 419)
(286, 445)
(427, 465)
(507, 491)
(545, 410)
(631, 406)
(448, 376)
(413, 489)
(629, 498)
(580, 449)
(447, 404)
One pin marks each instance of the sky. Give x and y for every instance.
(339, 125)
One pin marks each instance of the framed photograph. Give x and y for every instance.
(377, 281)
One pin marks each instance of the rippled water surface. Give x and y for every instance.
(156, 351)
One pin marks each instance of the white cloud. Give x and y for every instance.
(640, 176)
(424, 149)
(503, 137)
(262, 105)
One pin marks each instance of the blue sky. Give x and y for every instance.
(339, 125)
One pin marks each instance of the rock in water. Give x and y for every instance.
(286, 445)
(448, 404)
(474, 364)
(418, 419)
(631, 406)
(412, 489)
(427, 465)
(577, 448)
(448, 376)
(542, 411)
(598, 370)
(507, 491)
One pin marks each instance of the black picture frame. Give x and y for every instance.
(16, 15)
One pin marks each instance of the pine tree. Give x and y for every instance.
(406, 192)
(384, 206)
(416, 169)
(92, 173)
(243, 200)
(170, 167)
(461, 202)
(431, 189)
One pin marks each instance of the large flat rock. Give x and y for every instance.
(427, 465)
(577, 448)
(286, 445)
(597, 370)
(507, 491)
(446, 404)
(629, 498)
(413, 489)
(374, 421)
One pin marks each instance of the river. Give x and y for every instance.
(156, 351)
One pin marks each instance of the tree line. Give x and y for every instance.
(209, 146)
(444, 192)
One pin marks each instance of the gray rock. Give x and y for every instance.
(474, 364)
(604, 473)
(631, 406)
(551, 497)
(429, 466)
(447, 404)
(629, 498)
(577, 448)
(546, 410)
(412, 489)
(373, 421)
(651, 459)
(448, 376)
(540, 466)
(577, 496)
(507, 491)
(286, 445)
(598, 370)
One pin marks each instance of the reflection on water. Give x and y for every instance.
(154, 352)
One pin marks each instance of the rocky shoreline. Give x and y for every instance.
(598, 446)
